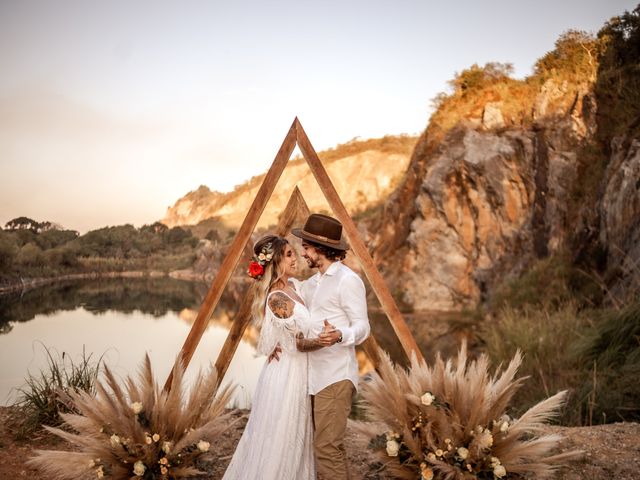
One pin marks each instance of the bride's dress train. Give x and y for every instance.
(277, 443)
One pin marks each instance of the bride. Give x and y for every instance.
(277, 442)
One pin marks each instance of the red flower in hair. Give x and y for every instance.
(255, 270)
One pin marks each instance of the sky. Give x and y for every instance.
(111, 111)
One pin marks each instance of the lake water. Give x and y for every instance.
(120, 319)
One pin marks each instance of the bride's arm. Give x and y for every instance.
(307, 344)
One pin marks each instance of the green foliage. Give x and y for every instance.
(8, 251)
(545, 283)
(574, 56)
(25, 252)
(546, 336)
(618, 83)
(473, 88)
(611, 347)
(30, 255)
(557, 315)
(476, 77)
(39, 400)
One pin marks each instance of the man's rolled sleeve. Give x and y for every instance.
(353, 300)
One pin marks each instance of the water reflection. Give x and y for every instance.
(122, 319)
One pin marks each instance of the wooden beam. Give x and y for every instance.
(235, 250)
(296, 206)
(359, 249)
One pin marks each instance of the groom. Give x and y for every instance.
(335, 294)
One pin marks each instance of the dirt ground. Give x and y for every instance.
(611, 452)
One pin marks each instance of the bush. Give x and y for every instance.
(30, 255)
(38, 400)
(8, 252)
(611, 348)
(547, 335)
(575, 56)
(476, 77)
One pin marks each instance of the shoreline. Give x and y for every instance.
(31, 283)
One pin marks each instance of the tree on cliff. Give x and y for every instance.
(476, 77)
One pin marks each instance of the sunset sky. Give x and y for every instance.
(110, 111)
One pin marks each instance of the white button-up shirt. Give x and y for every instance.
(339, 297)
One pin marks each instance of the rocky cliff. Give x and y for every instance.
(510, 171)
(363, 172)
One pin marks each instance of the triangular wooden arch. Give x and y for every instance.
(295, 205)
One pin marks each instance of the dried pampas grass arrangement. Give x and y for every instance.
(449, 422)
(139, 431)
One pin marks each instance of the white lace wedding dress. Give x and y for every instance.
(277, 443)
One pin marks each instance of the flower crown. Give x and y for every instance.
(256, 267)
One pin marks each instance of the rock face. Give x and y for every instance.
(620, 206)
(362, 179)
(484, 200)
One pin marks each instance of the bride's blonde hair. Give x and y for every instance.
(273, 272)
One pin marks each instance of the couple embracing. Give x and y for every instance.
(309, 329)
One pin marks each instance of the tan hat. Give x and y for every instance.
(323, 230)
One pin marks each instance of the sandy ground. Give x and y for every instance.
(611, 452)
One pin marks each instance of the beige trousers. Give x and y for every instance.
(331, 408)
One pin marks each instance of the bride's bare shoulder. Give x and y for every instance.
(280, 304)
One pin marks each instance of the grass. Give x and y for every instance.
(576, 335)
(39, 400)
(546, 335)
(611, 348)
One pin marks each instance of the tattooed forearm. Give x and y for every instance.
(307, 344)
(281, 305)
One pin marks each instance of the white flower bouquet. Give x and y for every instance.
(140, 431)
(449, 421)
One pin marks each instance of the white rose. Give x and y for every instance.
(494, 461)
(269, 256)
(499, 471)
(392, 448)
(115, 440)
(439, 453)
(156, 437)
(136, 407)
(486, 439)
(203, 446)
(262, 256)
(463, 453)
(427, 399)
(166, 447)
(504, 427)
(139, 468)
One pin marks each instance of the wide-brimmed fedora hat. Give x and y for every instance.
(323, 230)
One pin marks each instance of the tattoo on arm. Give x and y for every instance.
(307, 344)
(281, 305)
